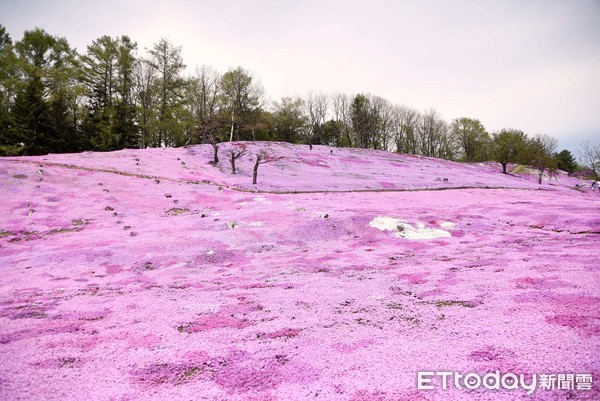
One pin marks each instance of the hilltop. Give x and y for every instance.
(301, 169)
(153, 274)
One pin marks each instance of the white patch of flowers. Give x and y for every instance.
(447, 225)
(405, 230)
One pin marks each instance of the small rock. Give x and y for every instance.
(168, 195)
(126, 227)
(231, 224)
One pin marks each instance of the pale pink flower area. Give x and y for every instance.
(154, 275)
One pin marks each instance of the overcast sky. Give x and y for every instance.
(532, 65)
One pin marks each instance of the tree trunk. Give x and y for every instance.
(216, 156)
(504, 167)
(255, 172)
(231, 134)
(348, 137)
(232, 164)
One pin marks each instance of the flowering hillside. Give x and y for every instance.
(152, 274)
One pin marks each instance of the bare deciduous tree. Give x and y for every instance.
(215, 145)
(263, 157)
(382, 115)
(203, 101)
(589, 155)
(238, 150)
(405, 129)
(341, 109)
(315, 109)
(432, 130)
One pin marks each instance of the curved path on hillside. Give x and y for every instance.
(275, 192)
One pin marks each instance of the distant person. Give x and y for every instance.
(331, 150)
(310, 146)
(594, 185)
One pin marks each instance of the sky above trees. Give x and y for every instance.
(529, 65)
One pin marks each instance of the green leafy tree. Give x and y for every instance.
(43, 106)
(64, 93)
(364, 120)
(10, 139)
(470, 136)
(167, 63)
(332, 133)
(108, 73)
(241, 96)
(508, 146)
(32, 117)
(539, 153)
(288, 120)
(565, 161)
(125, 126)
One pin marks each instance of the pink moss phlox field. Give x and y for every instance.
(154, 275)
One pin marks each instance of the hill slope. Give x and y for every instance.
(150, 279)
(301, 169)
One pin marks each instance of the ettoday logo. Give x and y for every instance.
(504, 381)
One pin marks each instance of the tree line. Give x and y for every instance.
(54, 100)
